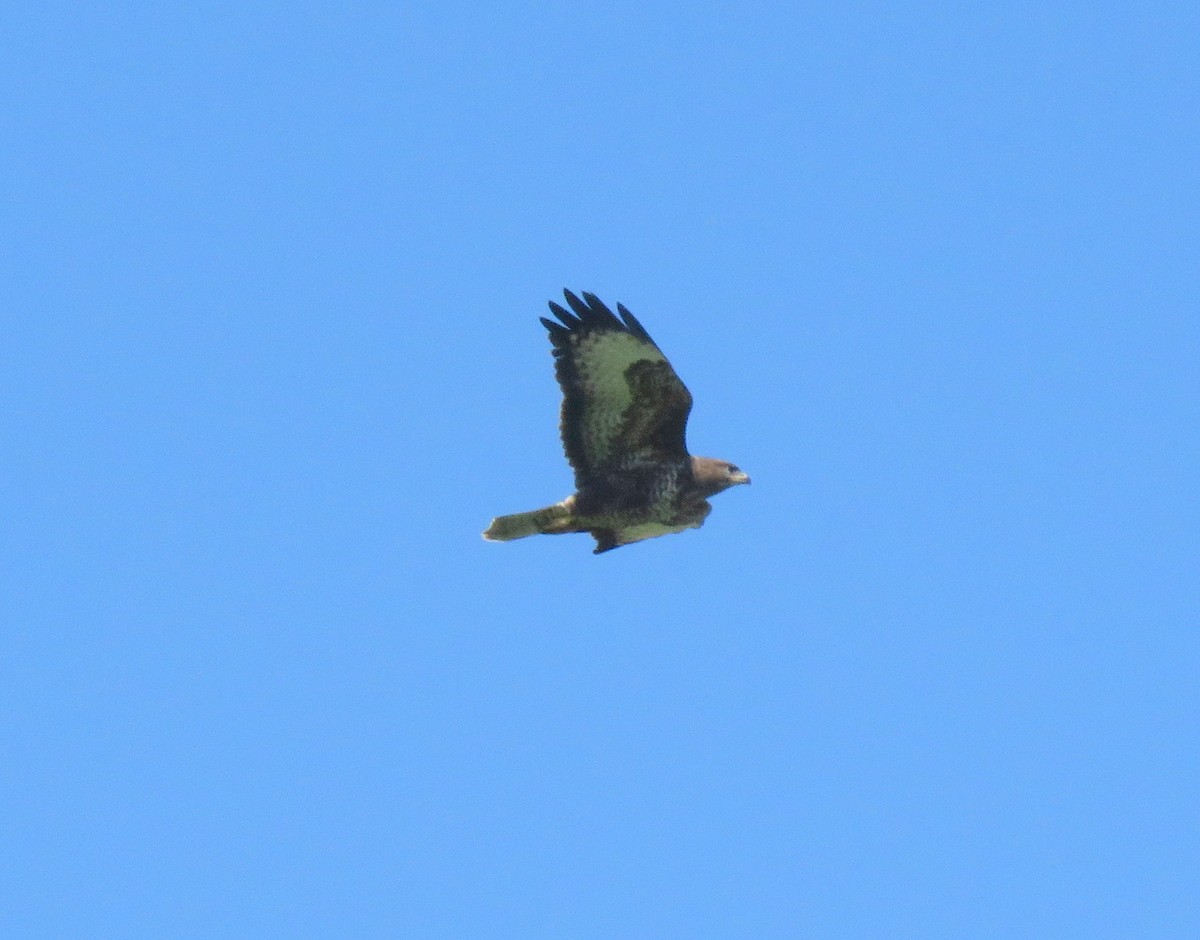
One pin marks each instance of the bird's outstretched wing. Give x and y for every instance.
(622, 401)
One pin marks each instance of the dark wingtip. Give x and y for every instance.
(569, 321)
(633, 324)
(589, 312)
(581, 308)
(556, 330)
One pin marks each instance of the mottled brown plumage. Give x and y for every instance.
(624, 421)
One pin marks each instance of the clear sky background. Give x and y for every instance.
(270, 277)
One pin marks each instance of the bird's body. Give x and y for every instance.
(624, 417)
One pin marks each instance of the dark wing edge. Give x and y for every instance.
(589, 315)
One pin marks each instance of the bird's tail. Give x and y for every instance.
(549, 521)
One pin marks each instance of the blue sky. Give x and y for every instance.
(271, 275)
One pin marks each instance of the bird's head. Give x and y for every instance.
(713, 476)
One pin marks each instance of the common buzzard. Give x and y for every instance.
(624, 418)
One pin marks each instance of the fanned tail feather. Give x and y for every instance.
(549, 521)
